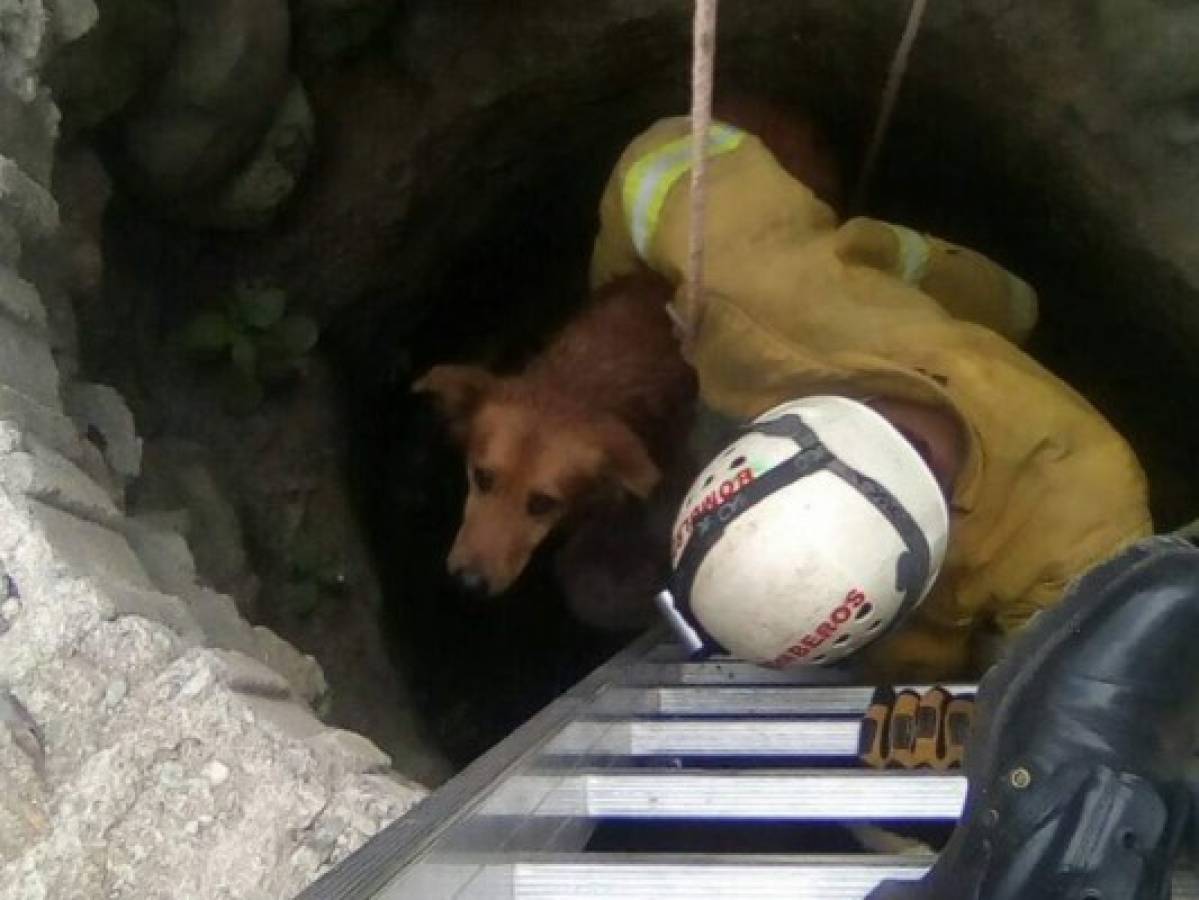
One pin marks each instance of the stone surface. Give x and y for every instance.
(10, 609)
(23, 814)
(23, 729)
(64, 336)
(170, 565)
(57, 609)
(111, 739)
(22, 33)
(131, 649)
(95, 77)
(253, 196)
(10, 243)
(36, 471)
(100, 408)
(126, 600)
(82, 546)
(186, 774)
(353, 752)
(163, 551)
(28, 129)
(129, 758)
(83, 189)
(47, 421)
(73, 19)
(213, 103)
(282, 473)
(26, 364)
(328, 30)
(218, 617)
(178, 475)
(300, 669)
(20, 302)
(27, 205)
(65, 698)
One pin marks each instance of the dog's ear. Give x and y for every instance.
(627, 459)
(456, 390)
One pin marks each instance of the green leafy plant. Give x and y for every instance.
(257, 340)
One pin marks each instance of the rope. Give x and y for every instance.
(899, 67)
(703, 54)
(702, 63)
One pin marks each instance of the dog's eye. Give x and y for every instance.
(542, 504)
(484, 479)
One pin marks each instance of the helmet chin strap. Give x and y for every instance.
(911, 570)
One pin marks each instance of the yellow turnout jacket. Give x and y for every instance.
(796, 304)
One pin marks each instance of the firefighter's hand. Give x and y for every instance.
(907, 730)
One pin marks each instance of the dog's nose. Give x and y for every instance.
(470, 580)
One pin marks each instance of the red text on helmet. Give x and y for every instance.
(832, 624)
(717, 496)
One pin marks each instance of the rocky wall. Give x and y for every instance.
(152, 742)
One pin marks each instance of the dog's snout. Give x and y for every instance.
(470, 580)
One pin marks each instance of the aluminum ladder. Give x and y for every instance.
(650, 738)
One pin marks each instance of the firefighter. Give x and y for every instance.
(920, 339)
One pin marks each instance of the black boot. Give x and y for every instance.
(1076, 764)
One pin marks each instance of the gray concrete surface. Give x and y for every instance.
(152, 742)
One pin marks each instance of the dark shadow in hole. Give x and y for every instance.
(478, 668)
(756, 837)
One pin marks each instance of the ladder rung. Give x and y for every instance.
(726, 672)
(703, 737)
(603, 876)
(793, 794)
(741, 701)
(699, 877)
(647, 878)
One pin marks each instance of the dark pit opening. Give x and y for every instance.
(486, 254)
(480, 668)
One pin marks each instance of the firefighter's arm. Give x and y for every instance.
(966, 284)
(1012, 615)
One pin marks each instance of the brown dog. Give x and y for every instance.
(602, 413)
(596, 416)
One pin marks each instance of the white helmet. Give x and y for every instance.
(807, 538)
